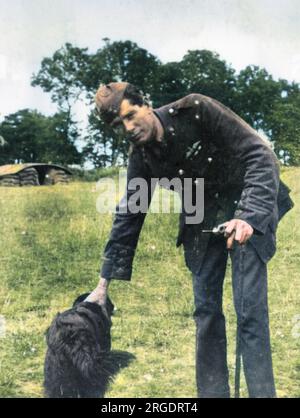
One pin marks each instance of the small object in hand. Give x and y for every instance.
(217, 230)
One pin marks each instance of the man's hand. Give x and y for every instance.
(99, 295)
(237, 230)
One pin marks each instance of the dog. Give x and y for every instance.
(77, 362)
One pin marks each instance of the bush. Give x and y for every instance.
(94, 174)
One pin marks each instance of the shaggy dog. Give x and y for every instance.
(78, 363)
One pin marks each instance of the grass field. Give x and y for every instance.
(51, 242)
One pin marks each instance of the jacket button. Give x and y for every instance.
(235, 202)
(209, 159)
(181, 172)
(171, 110)
(172, 130)
(197, 116)
(216, 195)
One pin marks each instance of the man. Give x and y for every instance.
(197, 137)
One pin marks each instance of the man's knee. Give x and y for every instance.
(208, 312)
(254, 318)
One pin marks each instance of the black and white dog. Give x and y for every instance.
(78, 363)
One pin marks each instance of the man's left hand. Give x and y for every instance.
(237, 230)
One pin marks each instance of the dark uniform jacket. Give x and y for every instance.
(204, 139)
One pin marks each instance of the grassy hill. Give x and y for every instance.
(51, 243)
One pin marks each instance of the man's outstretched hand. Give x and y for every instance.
(99, 294)
(237, 230)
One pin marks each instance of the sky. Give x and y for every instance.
(260, 32)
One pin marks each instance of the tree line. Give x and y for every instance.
(73, 75)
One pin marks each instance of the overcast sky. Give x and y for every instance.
(261, 32)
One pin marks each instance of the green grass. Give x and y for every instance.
(51, 242)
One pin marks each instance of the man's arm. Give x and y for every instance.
(120, 248)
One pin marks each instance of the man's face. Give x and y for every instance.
(138, 122)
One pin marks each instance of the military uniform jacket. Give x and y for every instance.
(204, 139)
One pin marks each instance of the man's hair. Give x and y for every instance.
(135, 96)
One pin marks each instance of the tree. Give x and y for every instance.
(122, 61)
(21, 130)
(272, 107)
(168, 84)
(58, 144)
(33, 137)
(284, 125)
(204, 72)
(257, 94)
(63, 75)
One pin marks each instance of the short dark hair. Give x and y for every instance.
(135, 96)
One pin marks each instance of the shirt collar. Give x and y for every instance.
(166, 116)
(166, 120)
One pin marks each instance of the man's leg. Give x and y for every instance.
(249, 280)
(211, 345)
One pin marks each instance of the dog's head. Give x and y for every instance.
(109, 306)
(85, 323)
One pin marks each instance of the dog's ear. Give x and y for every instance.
(63, 328)
(109, 306)
(54, 334)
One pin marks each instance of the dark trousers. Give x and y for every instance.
(249, 282)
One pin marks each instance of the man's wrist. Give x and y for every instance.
(103, 283)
